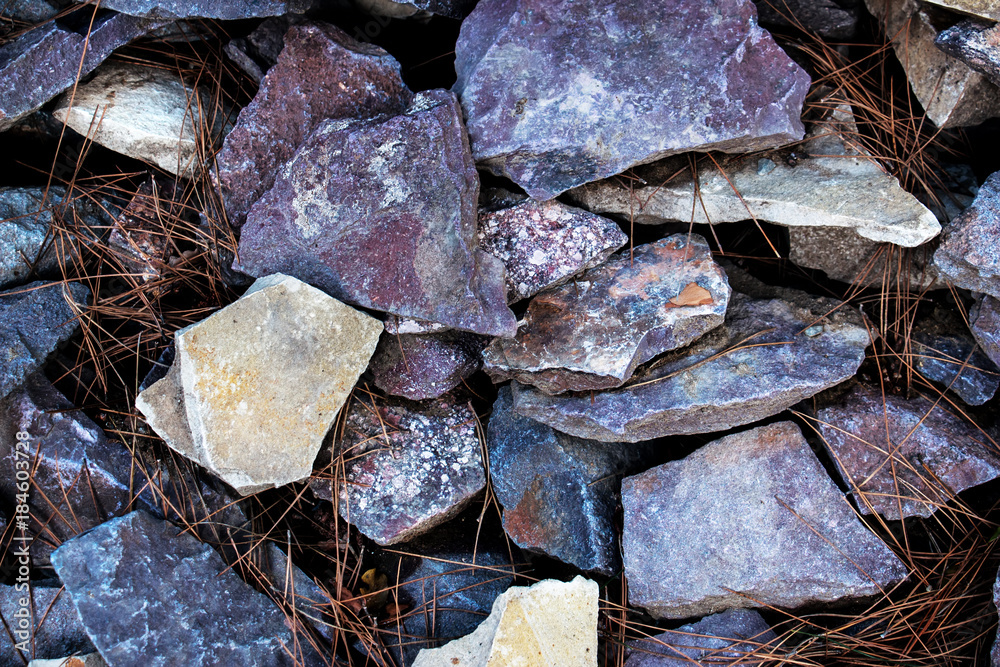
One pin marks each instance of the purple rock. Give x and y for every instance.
(321, 73)
(543, 244)
(418, 366)
(985, 319)
(929, 456)
(55, 630)
(558, 93)
(748, 520)
(595, 331)
(226, 11)
(995, 651)
(382, 214)
(731, 637)
(407, 467)
(956, 362)
(976, 43)
(969, 255)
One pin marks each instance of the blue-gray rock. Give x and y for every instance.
(29, 11)
(27, 237)
(749, 520)
(833, 19)
(34, 320)
(731, 637)
(969, 255)
(558, 93)
(995, 651)
(151, 594)
(421, 366)
(768, 355)
(956, 362)
(976, 44)
(226, 11)
(54, 628)
(985, 321)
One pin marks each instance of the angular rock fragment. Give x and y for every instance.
(594, 332)
(89, 660)
(731, 637)
(748, 520)
(550, 623)
(34, 320)
(54, 629)
(969, 255)
(559, 493)
(226, 11)
(456, 9)
(985, 321)
(258, 52)
(407, 468)
(975, 43)
(148, 591)
(321, 73)
(399, 326)
(29, 11)
(382, 214)
(955, 362)
(768, 355)
(543, 244)
(420, 366)
(833, 19)
(562, 93)
(140, 232)
(929, 456)
(987, 9)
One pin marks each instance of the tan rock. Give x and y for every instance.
(988, 9)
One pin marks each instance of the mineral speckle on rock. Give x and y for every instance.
(421, 366)
(969, 255)
(730, 637)
(175, 9)
(954, 361)
(985, 321)
(975, 43)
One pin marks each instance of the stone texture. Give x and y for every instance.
(28, 11)
(559, 493)
(969, 255)
(398, 326)
(382, 214)
(406, 467)
(727, 638)
(748, 520)
(30, 76)
(550, 623)
(995, 651)
(928, 457)
(833, 19)
(954, 361)
(89, 660)
(145, 113)
(321, 73)
(139, 231)
(420, 366)
(594, 332)
(557, 94)
(258, 52)
(985, 321)
(543, 244)
(226, 11)
(975, 43)
(260, 382)
(34, 320)
(987, 9)
(54, 629)
(149, 593)
(768, 355)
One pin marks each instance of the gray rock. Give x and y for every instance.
(226, 11)
(595, 331)
(833, 19)
(975, 43)
(258, 52)
(768, 355)
(296, 592)
(28, 11)
(88, 660)
(731, 637)
(563, 93)
(150, 593)
(543, 244)
(406, 467)
(930, 454)
(954, 361)
(420, 366)
(34, 320)
(54, 629)
(985, 320)
(969, 255)
(382, 214)
(748, 520)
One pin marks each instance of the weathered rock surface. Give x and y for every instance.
(929, 456)
(768, 355)
(985, 321)
(398, 326)
(995, 652)
(975, 43)
(54, 628)
(88, 660)
(987, 9)
(543, 244)
(420, 366)
(956, 362)
(562, 93)
(146, 113)
(833, 19)
(256, 386)
(750, 519)
(138, 232)
(226, 11)
(258, 52)
(969, 255)
(594, 332)
(550, 623)
(34, 320)
(321, 73)
(147, 592)
(29, 11)
(558, 492)
(406, 468)
(382, 214)
(729, 637)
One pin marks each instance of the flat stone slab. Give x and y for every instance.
(985, 321)
(594, 332)
(730, 637)
(148, 592)
(421, 366)
(543, 244)
(954, 361)
(748, 520)
(976, 43)
(382, 214)
(928, 456)
(554, 620)
(768, 355)
(561, 93)
(226, 11)
(969, 255)
(54, 628)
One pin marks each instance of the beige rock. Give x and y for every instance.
(89, 660)
(988, 9)
(550, 623)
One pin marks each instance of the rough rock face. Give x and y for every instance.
(768, 355)
(543, 244)
(456, 9)
(382, 214)
(729, 637)
(754, 513)
(406, 468)
(321, 73)
(226, 11)
(985, 320)
(984, 8)
(561, 93)
(149, 593)
(558, 492)
(955, 362)
(55, 628)
(995, 651)
(975, 43)
(88, 660)
(594, 332)
(420, 366)
(969, 255)
(256, 386)
(833, 19)
(929, 456)
(554, 620)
